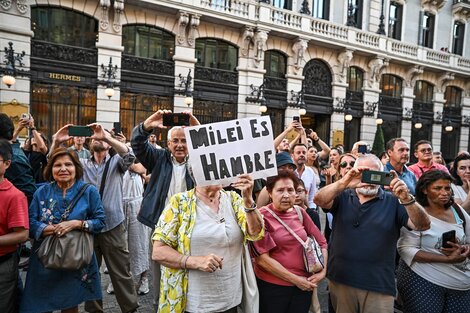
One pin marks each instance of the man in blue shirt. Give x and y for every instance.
(366, 227)
(398, 152)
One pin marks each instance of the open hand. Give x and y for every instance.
(62, 135)
(156, 120)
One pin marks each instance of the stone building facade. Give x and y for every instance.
(407, 60)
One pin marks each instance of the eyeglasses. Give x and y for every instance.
(344, 164)
(425, 150)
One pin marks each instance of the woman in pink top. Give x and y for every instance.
(284, 284)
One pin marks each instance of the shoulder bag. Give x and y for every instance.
(73, 250)
(313, 257)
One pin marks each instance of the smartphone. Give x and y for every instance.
(296, 118)
(117, 127)
(362, 149)
(308, 131)
(175, 119)
(448, 236)
(377, 177)
(80, 131)
(25, 116)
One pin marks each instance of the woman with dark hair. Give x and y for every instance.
(434, 272)
(50, 290)
(461, 186)
(284, 284)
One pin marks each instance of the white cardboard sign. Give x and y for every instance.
(219, 152)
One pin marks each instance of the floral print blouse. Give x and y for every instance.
(174, 229)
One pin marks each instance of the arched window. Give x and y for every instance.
(61, 26)
(453, 97)
(390, 105)
(275, 64)
(391, 86)
(214, 53)
(148, 42)
(317, 78)
(355, 78)
(423, 91)
(423, 112)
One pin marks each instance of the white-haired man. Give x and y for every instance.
(366, 227)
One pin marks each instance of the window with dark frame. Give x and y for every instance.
(283, 4)
(395, 20)
(214, 53)
(391, 86)
(453, 97)
(321, 9)
(355, 79)
(275, 64)
(427, 21)
(458, 37)
(148, 42)
(354, 13)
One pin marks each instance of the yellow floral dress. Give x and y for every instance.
(174, 229)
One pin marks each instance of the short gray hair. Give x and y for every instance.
(371, 157)
(170, 132)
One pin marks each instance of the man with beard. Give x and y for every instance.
(299, 155)
(398, 153)
(169, 173)
(106, 171)
(366, 227)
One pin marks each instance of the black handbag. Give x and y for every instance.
(71, 251)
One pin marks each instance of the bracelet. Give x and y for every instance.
(251, 209)
(413, 200)
(185, 261)
(317, 140)
(181, 261)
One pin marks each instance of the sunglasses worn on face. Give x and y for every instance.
(345, 164)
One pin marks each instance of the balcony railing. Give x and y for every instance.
(253, 13)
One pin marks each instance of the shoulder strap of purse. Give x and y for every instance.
(103, 177)
(299, 213)
(286, 227)
(458, 209)
(74, 201)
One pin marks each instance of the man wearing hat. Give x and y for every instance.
(284, 162)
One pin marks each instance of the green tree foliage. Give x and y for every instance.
(379, 141)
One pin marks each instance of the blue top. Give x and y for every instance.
(112, 193)
(363, 242)
(407, 176)
(48, 205)
(52, 290)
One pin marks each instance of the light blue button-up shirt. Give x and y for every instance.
(407, 176)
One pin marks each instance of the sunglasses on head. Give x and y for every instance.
(345, 164)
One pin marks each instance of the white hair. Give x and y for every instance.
(170, 132)
(370, 157)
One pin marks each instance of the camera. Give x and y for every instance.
(377, 177)
(175, 119)
(25, 116)
(80, 131)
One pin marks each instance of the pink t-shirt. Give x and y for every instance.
(282, 246)
(13, 212)
(419, 169)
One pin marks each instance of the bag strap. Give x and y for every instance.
(103, 177)
(74, 201)
(458, 209)
(287, 227)
(299, 213)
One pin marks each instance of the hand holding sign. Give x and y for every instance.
(155, 120)
(245, 184)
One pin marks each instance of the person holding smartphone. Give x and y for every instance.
(434, 272)
(366, 226)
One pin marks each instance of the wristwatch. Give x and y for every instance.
(86, 227)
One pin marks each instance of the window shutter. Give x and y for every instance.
(420, 28)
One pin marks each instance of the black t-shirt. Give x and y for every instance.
(362, 246)
(38, 162)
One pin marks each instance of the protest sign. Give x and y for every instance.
(219, 152)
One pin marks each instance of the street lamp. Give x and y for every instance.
(379, 120)
(257, 96)
(10, 71)
(448, 126)
(297, 100)
(186, 88)
(348, 114)
(109, 76)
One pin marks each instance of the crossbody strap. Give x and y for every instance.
(287, 227)
(103, 177)
(74, 201)
(458, 209)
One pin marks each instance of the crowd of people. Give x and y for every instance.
(246, 246)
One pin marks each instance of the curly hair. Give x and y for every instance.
(453, 170)
(427, 179)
